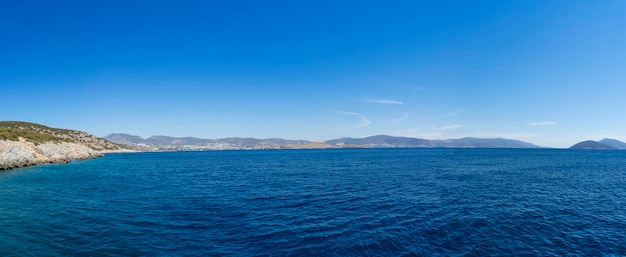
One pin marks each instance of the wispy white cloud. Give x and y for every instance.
(450, 127)
(509, 135)
(442, 135)
(453, 113)
(384, 101)
(417, 88)
(543, 123)
(401, 118)
(455, 126)
(449, 132)
(419, 134)
(363, 122)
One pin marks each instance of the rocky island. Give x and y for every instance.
(24, 144)
(590, 144)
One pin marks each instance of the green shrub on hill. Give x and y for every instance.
(14, 130)
(38, 134)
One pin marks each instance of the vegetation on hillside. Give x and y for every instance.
(38, 134)
(33, 127)
(12, 131)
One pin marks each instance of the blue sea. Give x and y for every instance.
(347, 202)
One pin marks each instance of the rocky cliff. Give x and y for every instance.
(23, 144)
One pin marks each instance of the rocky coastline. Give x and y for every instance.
(15, 154)
(25, 144)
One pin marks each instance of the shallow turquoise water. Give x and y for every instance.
(351, 202)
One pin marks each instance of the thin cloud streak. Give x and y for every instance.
(444, 135)
(416, 133)
(543, 123)
(364, 122)
(384, 101)
(508, 135)
(399, 119)
(450, 127)
(455, 126)
(452, 114)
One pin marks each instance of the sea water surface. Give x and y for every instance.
(349, 202)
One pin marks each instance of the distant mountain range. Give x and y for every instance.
(614, 143)
(467, 142)
(192, 143)
(156, 143)
(607, 143)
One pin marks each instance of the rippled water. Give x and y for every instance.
(357, 202)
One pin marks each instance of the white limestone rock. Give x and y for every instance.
(15, 154)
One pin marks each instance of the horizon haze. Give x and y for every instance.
(551, 73)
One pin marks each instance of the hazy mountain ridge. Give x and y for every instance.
(613, 143)
(125, 139)
(379, 141)
(156, 143)
(179, 141)
(466, 142)
(383, 141)
(590, 144)
(489, 143)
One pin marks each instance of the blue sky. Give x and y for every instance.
(548, 72)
